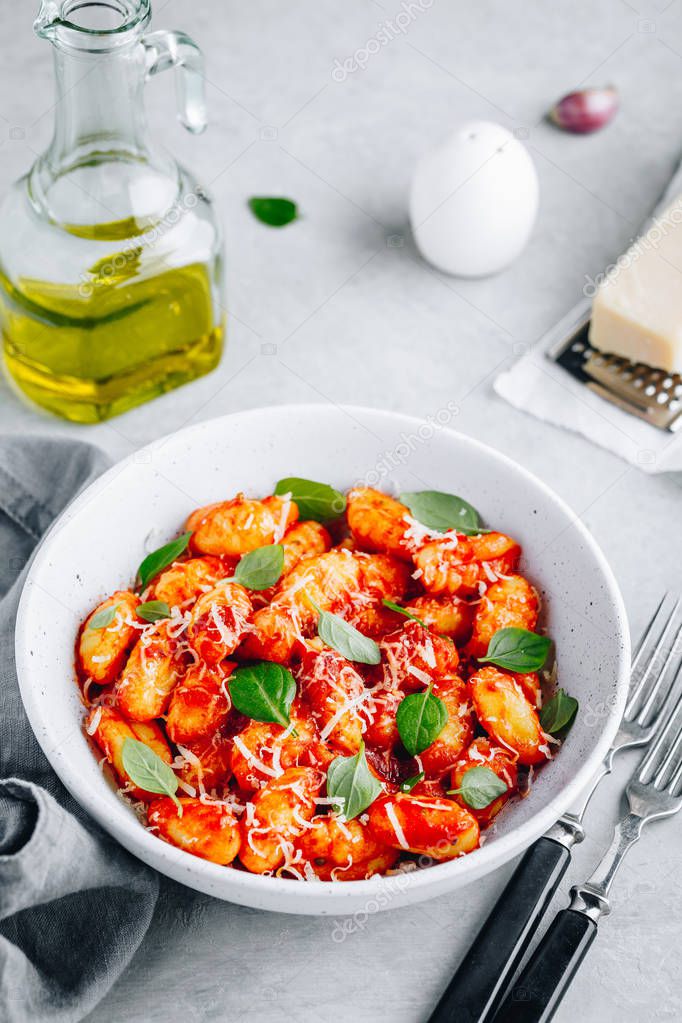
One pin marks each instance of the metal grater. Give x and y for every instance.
(651, 394)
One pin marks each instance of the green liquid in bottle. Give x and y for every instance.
(92, 351)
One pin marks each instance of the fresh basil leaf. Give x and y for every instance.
(275, 212)
(343, 637)
(153, 611)
(402, 611)
(558, 713)
(350, 780)
(161, 558)
(148, 771)
(316, 501)
(103, 618)
(410, 783)
(517, 650)
(421, 718)
(443, 512)
(264, 692)
(260, 569)
(480, 787)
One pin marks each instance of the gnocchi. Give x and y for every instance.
(503, 710)
(483, 753)
(280, 812)
(144, 687)
(236, 527)
(101, 651)
(428, 826)
(206, 830)
(507, 603)
(257, 714)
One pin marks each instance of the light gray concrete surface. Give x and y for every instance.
(356, 317)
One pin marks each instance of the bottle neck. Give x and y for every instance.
(99, 111)
(100, 169)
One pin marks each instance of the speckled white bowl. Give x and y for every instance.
(100, 539)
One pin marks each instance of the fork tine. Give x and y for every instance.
(659, 617)
(661, 745)
(645, 666)
(663, 685)
(672, 758)
(675, 780)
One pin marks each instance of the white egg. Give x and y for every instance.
(474, 200)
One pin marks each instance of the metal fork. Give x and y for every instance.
(654, 791)
(655, 664)
(484, 974)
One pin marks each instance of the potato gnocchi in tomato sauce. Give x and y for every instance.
(261, 672)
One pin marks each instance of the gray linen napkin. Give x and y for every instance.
(74, 906)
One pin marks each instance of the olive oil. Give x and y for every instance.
(92, 351)
(111, 256)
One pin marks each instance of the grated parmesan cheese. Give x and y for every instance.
(417, 534)
(186, 787)
(344, 829)
(94, 724)
(281, 527)
(341, 870)
(429, 652)
(347, 707)
(303, 822)
(422, 676)
(309, 872)
(492, 576)
(226, 636)
(395, 824)
(253, 760)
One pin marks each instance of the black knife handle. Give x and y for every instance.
(537, 993)
(482, 977)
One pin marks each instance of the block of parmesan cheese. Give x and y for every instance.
(637, 309)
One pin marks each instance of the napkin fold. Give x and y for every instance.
(538, 385)
(74, 905)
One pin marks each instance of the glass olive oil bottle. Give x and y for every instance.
(111, 270)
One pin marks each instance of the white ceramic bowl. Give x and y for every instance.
(100, 539)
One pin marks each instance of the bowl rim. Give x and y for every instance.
(221, 882)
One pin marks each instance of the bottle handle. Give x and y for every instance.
(165, 50)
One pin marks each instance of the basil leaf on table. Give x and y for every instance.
(272, 210)
(402, 611)
(161, 558)
(421, 718)
(558, 712)
(517, 650)
(316, 501)
(480, 787)
(103, 618)
(148, 771)
(153, 611)
(260, 569)
(410, 783)
(263, 692)
(350, 781)
(343, 637)
(443, 512)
